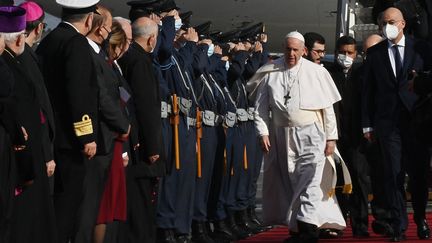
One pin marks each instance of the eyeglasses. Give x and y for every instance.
(319, 52)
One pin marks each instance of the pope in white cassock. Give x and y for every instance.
(296, 123)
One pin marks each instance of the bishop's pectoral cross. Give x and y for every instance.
(287, 97)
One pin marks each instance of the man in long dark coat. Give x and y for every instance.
(142, 176)
(31, 186)
(70, 79)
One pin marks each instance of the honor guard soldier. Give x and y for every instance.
(207, 122)
(254, 39)
(177, 189)
(69, 74)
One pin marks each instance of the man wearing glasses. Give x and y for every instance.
(315, 47)
(34, 30)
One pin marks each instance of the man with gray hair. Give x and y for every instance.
(31, 174)
(142, 181)
(297, 136)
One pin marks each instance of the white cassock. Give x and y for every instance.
(295, 108)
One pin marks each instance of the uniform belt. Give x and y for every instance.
(184, 105)
(242, 115)
(209, 118)
(191, 122)
(251, 113)
(166, 109)
(230, 119)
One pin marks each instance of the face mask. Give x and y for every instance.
(227, 65)
(105, 43)
(210, 50)
(391, 31)
(178, 24)
(344, 61)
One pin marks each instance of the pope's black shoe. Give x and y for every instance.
(423, 230)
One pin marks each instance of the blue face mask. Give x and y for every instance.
(227, 65)
(210, 50)
(178, 24)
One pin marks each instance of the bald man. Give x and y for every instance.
(142, 182)
(371, 41)
(386, 117)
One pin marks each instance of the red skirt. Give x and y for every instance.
(113, 203)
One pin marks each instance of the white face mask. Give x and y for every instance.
(210, 50)
(178, 24)
(344, 60)
(391, 31)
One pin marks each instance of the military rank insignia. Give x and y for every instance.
(83, 127)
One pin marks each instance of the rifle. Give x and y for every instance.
(175, 120)
(245, 159)
(198, 137)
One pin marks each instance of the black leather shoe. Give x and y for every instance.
(382, 228)
(360, 234)
(398, 237)
(423, 230)
(242, 221)
(165, 236)
(221, 232)
(199, 233)
(239, 232)
(308, 233)
(183, 239)
(255, 220)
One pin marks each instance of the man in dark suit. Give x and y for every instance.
(142, 176)
(112, 123)
(386, 116)
(70, 79)
(347, 77)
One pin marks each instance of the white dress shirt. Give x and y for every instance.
(401, 48)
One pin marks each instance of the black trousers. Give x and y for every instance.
(357, 202)
(68, 193)
(403, 153)
(141, 209)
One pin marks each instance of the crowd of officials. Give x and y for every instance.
(141, 130)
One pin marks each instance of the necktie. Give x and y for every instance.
(398, 61)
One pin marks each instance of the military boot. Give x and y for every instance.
(221, 232)
(243, 222)
(239, 233)
(255, 220)
(200, 233)
(165, 236)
